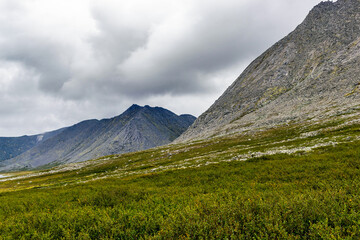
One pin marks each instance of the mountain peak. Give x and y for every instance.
(326, 5)
(333, 17)
(138, 128)
(312, 72)
(137, 108)
(134, 106)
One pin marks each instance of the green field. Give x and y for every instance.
(294, 184)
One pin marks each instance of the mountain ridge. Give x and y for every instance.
(13, 146)
(309, 74)
(138, 128)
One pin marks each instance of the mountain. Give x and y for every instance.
(138, 128)
(13, 146)
(311, 74)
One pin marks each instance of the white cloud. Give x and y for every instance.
(65, 61)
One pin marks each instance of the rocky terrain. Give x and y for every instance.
(13, 146)
(311, 74)
(138, 128)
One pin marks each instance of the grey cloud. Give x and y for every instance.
(49, 59)
(166, 57)
(115, 40)
(216, 39)
(66, 72)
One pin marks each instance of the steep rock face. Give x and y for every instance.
(138, 128)
(311, 73)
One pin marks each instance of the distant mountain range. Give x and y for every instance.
(311, 74)
(13, 146)
(138, 128)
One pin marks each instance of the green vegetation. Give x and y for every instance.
(199, 191)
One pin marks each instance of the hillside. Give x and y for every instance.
(13, 146)
(138, 128)
(310, 74)
(276, 157)
(281, 183)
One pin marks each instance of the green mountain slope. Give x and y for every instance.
(287, 169)
(299, 182)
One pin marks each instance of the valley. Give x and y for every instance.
(298, 181)
(276, 156)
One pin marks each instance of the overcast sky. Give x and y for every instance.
(62, 62)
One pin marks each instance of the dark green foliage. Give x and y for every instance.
(145, 195)
(312, 196)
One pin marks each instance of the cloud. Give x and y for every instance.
(65, 61)
(174, 53)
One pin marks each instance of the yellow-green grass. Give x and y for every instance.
(199, 190)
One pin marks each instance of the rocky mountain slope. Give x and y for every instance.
(311, 74)
(13, 146)
(138, 128)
